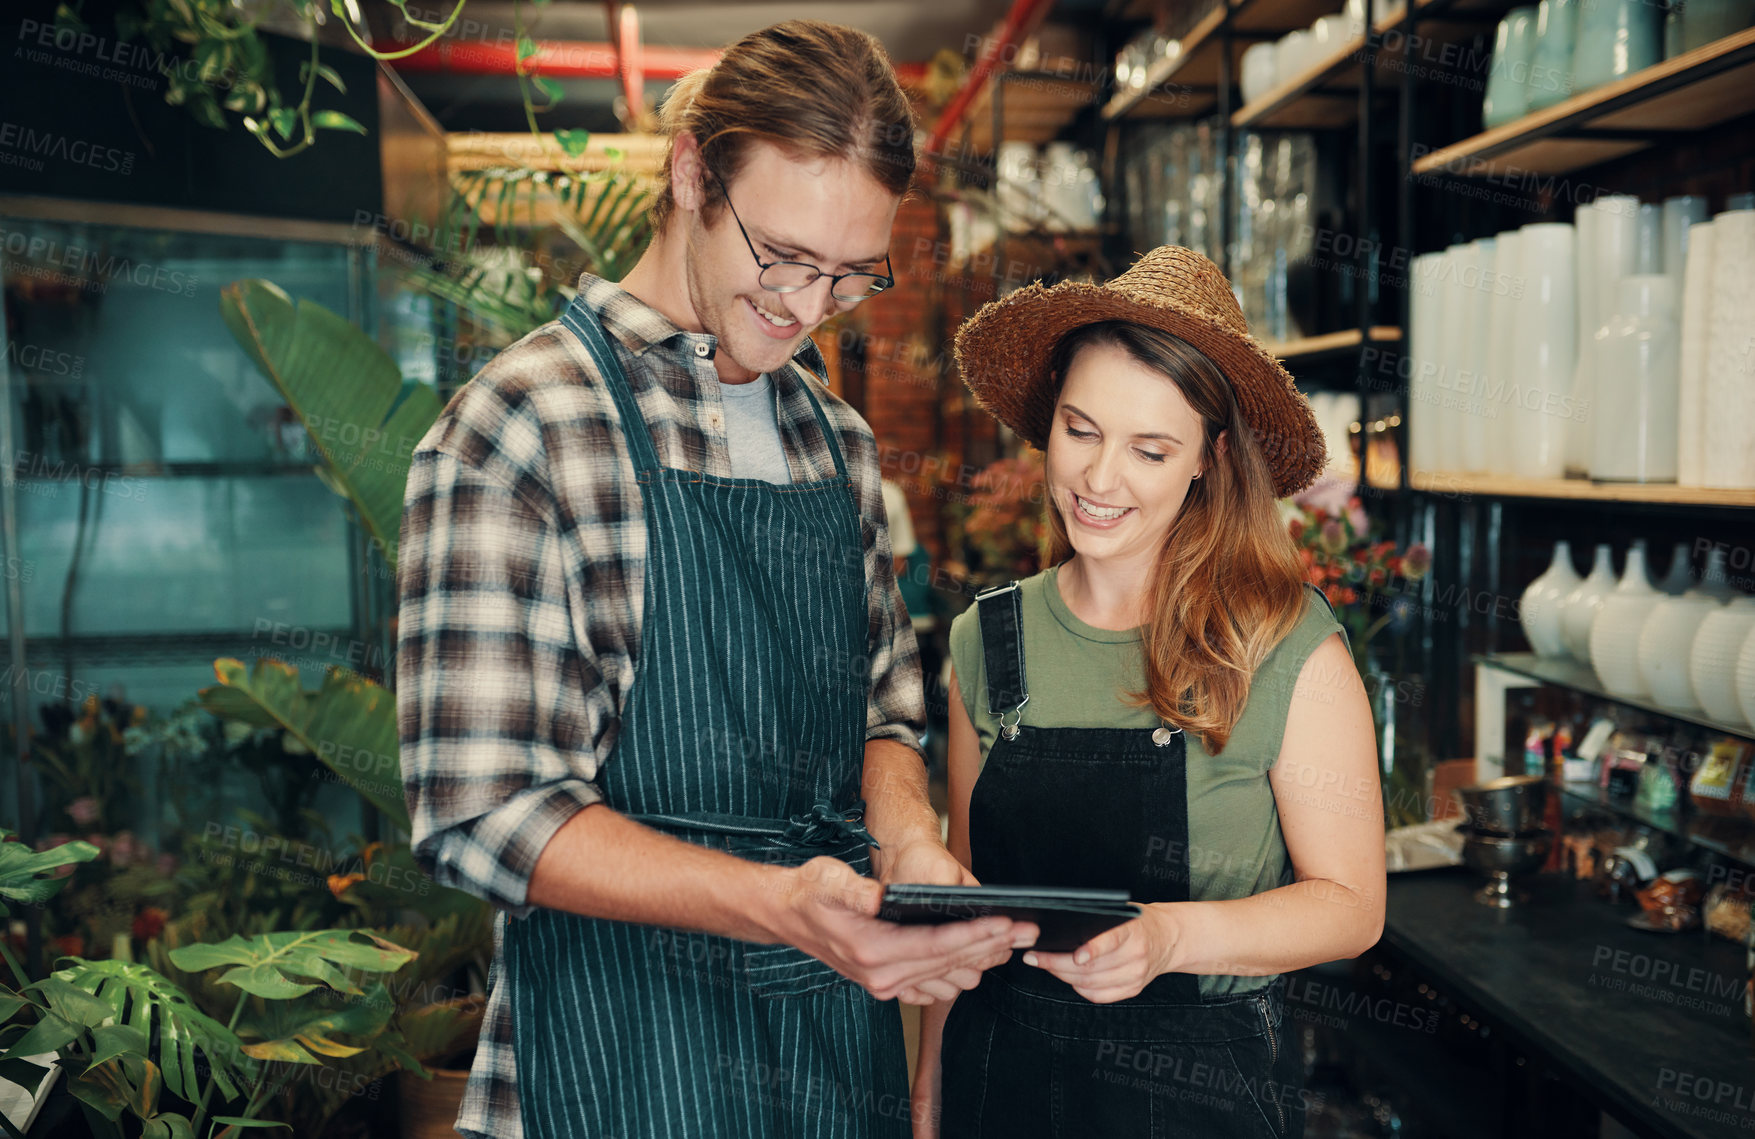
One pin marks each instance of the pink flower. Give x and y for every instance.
(1417, 561)
(1333, 537)
(83, 810)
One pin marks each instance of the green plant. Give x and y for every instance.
(131, 1042)
(516, 239)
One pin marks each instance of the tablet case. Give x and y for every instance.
(1066, 916)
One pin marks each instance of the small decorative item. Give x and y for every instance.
(1539, 610)
(1579, 607)
(1259, 70)
(1729, 434)
(1614, 633)
(1704, 21)
(1613, 230)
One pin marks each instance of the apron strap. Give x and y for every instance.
(1001, 612)
(822, 420)
(585, 326)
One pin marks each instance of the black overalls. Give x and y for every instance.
(1024, 1055)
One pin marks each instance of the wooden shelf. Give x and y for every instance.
(1325, 96)
(1039, 105)
(1289, 351)
(1702, 88)
(1194, 69)
(1509, 486)
(1568, 673)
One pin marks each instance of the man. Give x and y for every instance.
(652, 657)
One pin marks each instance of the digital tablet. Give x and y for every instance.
(1067, 916)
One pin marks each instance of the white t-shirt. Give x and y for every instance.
(752, 431)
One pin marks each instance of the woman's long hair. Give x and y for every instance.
(1227, 586)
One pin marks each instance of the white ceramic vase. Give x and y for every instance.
(1679, 578)
(1712, 659)
(1691, 393)
(1729, 396)
(1547, 349)
(1614, 631)
(1746, 678)
(1425, 315)
(1579, 607)
(1614, 231)
(1472, 388)
(1666, 645)
(1539, 610)
(1501, 456)
(1638, 395)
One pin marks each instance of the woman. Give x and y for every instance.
(1170, 710)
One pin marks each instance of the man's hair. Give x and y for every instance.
(813, 90)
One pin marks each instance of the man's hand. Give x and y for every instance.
(927, 862)
(829, 911)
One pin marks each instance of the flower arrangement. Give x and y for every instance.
(1364, 580)
(996, 519)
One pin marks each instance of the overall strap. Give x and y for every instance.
(1001, 611)
(585, 326)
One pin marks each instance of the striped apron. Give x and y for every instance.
(744, 732)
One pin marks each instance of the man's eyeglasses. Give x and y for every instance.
(791, 276)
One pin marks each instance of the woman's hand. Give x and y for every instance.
(1118, 963)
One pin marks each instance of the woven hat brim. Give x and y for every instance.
(1003, 355)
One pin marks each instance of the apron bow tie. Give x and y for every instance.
(823, 825)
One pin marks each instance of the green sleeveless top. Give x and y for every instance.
(1077, 674)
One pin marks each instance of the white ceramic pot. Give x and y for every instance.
(1539, 610)
(1614, 229)
(1666, 645)
(1691, 397)
(1293, 56)
(1712, 659)
(1579, 607)
(1472, 385)
(1259, 71)
(1547, 349)
(1746, 678)
(1614, 631)
(1501, 457)
(1638, 391)
(1729, 450)
(1425, 313)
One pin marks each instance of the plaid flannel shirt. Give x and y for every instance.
(522, 571)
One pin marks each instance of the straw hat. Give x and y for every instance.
(1003, 352)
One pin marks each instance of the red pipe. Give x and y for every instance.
(571, 59)
(557, 59)
(1023, 15)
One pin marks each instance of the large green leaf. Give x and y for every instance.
(267, 964)
(147, 1002)
(303, 1037)
(21, 869)
(360, 415)
(349, 723)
